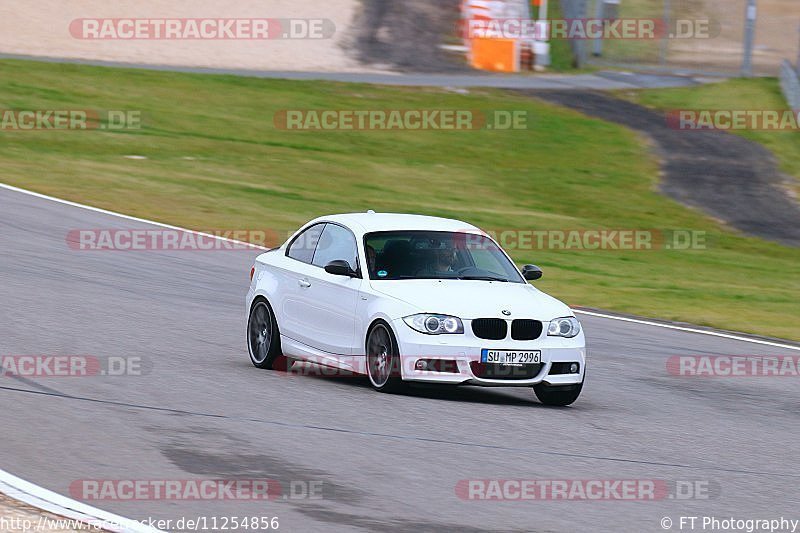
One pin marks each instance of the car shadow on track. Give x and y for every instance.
(475, 394)
(464, 393)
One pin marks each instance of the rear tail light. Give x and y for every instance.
(252, 272)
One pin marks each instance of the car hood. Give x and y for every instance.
(469, 299)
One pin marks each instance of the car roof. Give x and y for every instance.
(361, 223)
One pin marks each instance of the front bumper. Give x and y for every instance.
(465, 349)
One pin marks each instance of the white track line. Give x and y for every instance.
(591, 313)
(49, 501)
(128, 217)
(690, 330)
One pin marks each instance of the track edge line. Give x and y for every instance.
(712, 333)
(46, 500)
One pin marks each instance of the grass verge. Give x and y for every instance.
(214, 160)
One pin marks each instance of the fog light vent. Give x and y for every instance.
(437, 365)
(565, 368)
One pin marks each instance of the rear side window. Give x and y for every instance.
(335, 243)
(303, 246)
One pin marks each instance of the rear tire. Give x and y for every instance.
(383, 359)
(557, 396)
(263, 338)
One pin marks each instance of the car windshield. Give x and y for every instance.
(398, 255)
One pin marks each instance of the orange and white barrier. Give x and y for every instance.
(497, 53)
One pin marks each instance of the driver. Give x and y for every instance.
(440, 258)
(444, 258)
(371, 255)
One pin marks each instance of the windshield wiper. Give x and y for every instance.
(483, 278)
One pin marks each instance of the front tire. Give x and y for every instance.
(383, 359)
(263, 338)
(557, 396)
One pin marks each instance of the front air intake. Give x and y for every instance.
(525, 329)
(490, 328)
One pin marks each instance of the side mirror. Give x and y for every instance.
(340, 267)
(531, 272)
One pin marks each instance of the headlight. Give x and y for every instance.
(434, 324)
(564, 327)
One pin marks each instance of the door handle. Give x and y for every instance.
(304, 283)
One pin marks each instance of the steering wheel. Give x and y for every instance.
(465, 269)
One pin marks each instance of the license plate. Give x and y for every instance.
(511, 357)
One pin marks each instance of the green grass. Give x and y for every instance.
(215, 161)
(737, 94)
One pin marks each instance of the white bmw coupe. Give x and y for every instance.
(405, 298)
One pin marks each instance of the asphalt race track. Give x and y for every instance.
(730, 178)
(388, 463)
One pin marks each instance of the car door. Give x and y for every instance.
(324, 305)
(293, 277)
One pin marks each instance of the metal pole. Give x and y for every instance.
(598, 13)
(542, 17)
(797, 68)
(665, 37)
(749, 37)
(582, 8)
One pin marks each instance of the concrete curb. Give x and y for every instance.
(46, 500)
